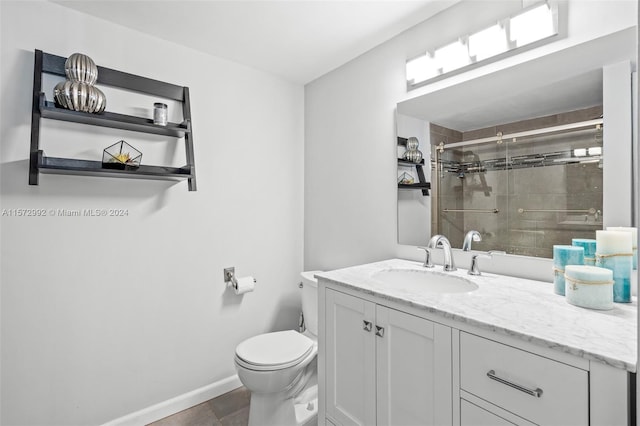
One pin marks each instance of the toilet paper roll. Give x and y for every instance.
(245, 285)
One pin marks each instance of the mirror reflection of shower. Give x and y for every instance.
(524, 186)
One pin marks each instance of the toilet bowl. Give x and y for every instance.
(280, 370)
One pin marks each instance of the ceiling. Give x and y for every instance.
(299, 40)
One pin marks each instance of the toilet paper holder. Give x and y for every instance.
(230, 277)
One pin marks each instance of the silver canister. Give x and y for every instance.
(160, 114)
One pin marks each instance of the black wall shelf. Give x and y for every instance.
(112, 119)
(422, 184)
(53, 64)
(74, 166)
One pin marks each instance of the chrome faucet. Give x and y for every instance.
(440, 241)
(473, 270)
(471, 236)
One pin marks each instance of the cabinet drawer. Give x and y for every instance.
(536, 388)
(472, 415)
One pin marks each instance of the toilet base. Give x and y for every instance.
(271, 410)
(281, 409)
(265, 411)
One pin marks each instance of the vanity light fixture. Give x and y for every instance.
(535, 24)
(421, 69)
(532, 25)
(489, 42)
(452, 56)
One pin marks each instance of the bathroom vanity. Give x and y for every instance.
(404, 345)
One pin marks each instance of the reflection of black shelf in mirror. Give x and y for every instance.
(111, 119)
(422, 184)
(407, 163)
(71, 166)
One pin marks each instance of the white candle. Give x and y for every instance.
(589, 273)
(589, 286)
(613, 242)
(634, 233)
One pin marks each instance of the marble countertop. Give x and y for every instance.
(525, 309)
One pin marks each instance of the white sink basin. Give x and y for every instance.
(425, 281)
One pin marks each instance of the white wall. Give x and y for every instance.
(414, 209)
(617, 171)
(105, 316)
(350, 218)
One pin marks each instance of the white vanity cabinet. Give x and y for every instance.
(390, 354)
(384, 366)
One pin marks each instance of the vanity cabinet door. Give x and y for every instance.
(385, 367)
(350, 359)
(413, 357)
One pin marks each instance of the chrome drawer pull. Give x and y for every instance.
(537, 392)
(366, 325)
(379, 331)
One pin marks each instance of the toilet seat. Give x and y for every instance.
(273, 351)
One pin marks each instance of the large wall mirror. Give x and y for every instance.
(529, 156)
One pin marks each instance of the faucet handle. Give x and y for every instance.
(473, 269)
(427, 257)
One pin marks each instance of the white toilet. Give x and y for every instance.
(280, 368)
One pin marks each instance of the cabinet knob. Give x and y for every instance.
(379, 331)
(367, 325)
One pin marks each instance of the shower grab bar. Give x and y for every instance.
(589, 211)
(471, 210)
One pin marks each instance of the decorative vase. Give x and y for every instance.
(412, 153)
(412, 143)
(78, 92)
(79, 96)
(415, 156)
(79, 67)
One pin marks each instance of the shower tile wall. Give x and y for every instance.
(447, 192)
(562, 187)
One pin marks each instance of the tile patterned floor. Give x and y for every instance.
(230, 409)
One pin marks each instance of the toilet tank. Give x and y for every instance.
(310, 301)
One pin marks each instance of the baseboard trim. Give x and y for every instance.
(177, 404)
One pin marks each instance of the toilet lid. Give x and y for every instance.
(281, 348)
